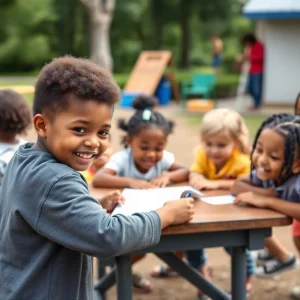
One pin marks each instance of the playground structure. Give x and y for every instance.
(200, 88)
(147, 74)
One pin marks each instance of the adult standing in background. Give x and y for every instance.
(255, 55)
(216, 52)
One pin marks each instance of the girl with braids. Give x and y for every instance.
(296, 223)
(143, 163)
(15, 119)
(274, 182)
(222, 157)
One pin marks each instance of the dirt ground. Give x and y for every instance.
(181, 143)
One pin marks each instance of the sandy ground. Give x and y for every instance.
(182, 144)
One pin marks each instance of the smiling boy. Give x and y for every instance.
(50, 225)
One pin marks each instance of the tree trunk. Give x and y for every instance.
(101, 14)
(185, 33)
(157, 24)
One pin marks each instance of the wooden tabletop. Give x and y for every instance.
(209, 218)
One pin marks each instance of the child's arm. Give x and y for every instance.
(288, 208)
(244, 185)
(86, 227)
(107, 178)
(199, 181)
(176, 173)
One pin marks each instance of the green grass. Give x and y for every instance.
(29, 98)
(252, 122)
(12, 83)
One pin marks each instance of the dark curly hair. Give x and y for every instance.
(144, 101)
(145, 117)
(15, 115)
(66, 76)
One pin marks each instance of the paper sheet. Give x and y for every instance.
(137, 200)
(219, 200)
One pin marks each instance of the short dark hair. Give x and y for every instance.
(67, 76)
(15, 115)
(145, 117)
(248, 38)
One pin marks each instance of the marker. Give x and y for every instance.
(187, 194)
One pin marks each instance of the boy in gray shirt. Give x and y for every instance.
(50, 225)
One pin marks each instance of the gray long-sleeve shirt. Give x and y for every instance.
(51, 226)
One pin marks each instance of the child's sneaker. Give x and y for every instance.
(262, 256)
(163, 271)
(275, 266)
(295, 294)
(140, 283)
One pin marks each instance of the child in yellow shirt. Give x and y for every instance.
(222, 157)
(224, 152)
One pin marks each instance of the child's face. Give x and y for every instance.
(218, 147)
(268, 155)
(147, 148)
(80, 134)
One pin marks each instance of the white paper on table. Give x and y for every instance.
(138, 200)
(219, 200)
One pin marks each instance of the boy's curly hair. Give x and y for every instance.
(15, 115)
(67, 76)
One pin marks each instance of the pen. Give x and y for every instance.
(187, 194)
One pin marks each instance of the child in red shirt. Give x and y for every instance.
(255, 56)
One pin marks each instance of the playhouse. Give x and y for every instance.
(278, 27)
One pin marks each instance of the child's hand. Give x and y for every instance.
(196, 180)
(140, 184)
(180, 211)
(270, 192)
(111, 200)
(208, 185)
(199, 182)
(252, 199)
(161, 181)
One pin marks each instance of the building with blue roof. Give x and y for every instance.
(278, 27)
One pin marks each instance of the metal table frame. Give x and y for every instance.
(238, 240)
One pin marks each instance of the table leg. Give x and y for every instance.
(124, 280)
(193, 276)
(105, 282)
(238, 273)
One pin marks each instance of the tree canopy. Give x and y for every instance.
(33, 31)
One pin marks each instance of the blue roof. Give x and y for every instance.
(272, 9)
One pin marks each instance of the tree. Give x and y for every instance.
(101, 14)
(65, 26)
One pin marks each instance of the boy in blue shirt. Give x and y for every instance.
(50, 225)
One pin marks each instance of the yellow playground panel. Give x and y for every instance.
(199, 105)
